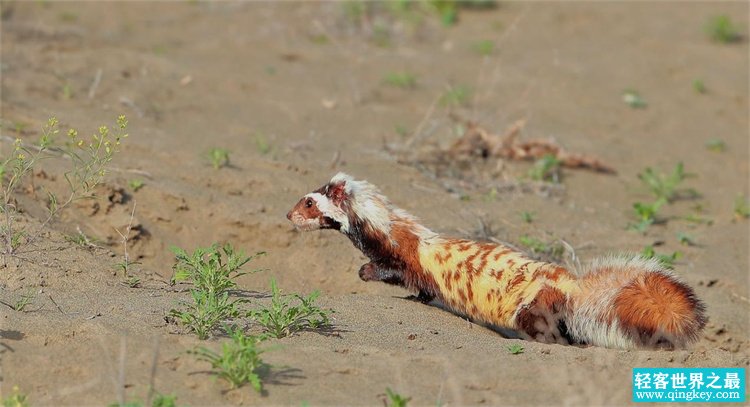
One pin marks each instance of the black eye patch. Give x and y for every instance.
(308, 203)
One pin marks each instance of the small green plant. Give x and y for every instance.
(484, 47)
(17, 399)
(24, 301)
(527, 217)
(401, 130)
(164, 400)
(219, 157)
(262, 144)
(741, 207)
(160, 400)
(207, 312)
(685, 239)
(699, 86)
(403, 80)
(395, 399)
(716, 145)
(212, 272)
(81, 239)
(667, 260)
(455, 96)
(67, 91)
(646, 214)
(666, 186)
(546, 169)
(239, 361)
(135, 184)
(722, 29)
(89, 158)
(537, 247)
(282, 319)
(211, 269)
(132, 282)
(515, 349)
(632, 98)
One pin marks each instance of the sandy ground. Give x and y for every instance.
(295, 92)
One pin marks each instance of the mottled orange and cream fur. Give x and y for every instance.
(617, 302)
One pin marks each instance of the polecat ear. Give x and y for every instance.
(336, 193)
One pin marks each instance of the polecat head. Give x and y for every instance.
(323, 208)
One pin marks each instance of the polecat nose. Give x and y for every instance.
(289, 215)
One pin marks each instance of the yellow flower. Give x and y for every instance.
(21, 157)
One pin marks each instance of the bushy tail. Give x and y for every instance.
(634, 303)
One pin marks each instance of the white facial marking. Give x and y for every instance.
(330, 210)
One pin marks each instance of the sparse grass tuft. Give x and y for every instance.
(553, 251)
(283, 319)
(212, 272)
(239, 361)
(403, 80)
(685, 239)
(546, 169)
(722, 29)
(262, 144)
(667, 260)
(24, 301)
(699, 86)
(395, 399)
(17, 399)
(90, 159)
(527, 217)
(219, 157)
(646, 214)
(716, 145)
(515, 349)
(666, 186)
(135, 184)
(455, 96)
(632, 98)
(484, 47)
(741, 207)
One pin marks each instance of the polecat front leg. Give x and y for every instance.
(373, 272)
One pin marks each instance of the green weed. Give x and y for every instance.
(685, 239)
(239, 361)
(722, 29)
(395, 399)
(537, 247)
(515, 349)
(741, 207)
(667, 260)
(135, 184)
(211, 269)
(24, 301)
(212, 272)
(282, 318)
(17, 399)
(632, 98)
(90, 159)
(160, 400)
(527, 217)
(699, 86)
(646, 214)
(716, 145)
(219, 157)
(455, 96)
(546, 169)
(81, 239)
(484, 47)
(403, 80)
(262, 144)
(666, 186)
